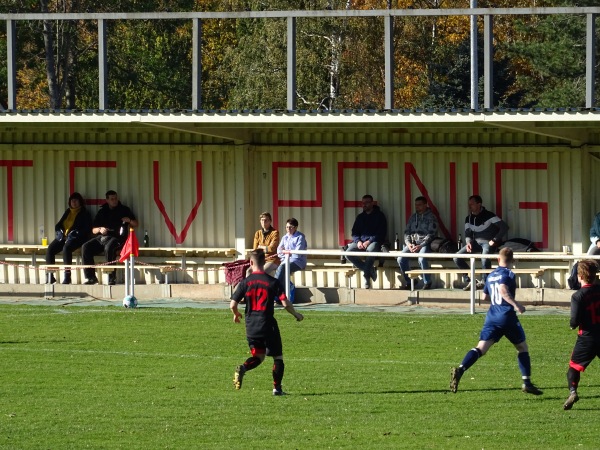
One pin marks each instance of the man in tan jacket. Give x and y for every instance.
(267, 240)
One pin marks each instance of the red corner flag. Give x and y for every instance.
(131, 246)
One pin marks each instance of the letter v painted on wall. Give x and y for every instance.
(179, 238)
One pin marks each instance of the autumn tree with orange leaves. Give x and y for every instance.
(538, 60)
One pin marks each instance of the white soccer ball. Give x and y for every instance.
(130, 301)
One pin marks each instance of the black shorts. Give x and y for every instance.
(270, 344)
(585, 350)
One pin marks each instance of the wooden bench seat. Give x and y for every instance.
(163, 269)
(216, 252)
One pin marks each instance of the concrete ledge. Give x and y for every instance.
(324, 295)
(557, 297)
(383, 297)
(222, 292)
(200, 291)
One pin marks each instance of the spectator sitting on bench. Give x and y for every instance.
(267, 240)
(72, 231)
(292, 240)
(483, 232)
(594, 248)
(111, 228)
(368, 233)
(420, 230)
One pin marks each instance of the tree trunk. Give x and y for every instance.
(70, 77)
(53, 89)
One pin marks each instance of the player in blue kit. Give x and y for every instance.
(585, 314)
(260, 291)
(501, 320)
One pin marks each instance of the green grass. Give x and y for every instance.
(88, 377)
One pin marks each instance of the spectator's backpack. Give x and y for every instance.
(442, 245)
(572, 281)
(520, 245)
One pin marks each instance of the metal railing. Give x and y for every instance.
(388, 16)
(473, 258)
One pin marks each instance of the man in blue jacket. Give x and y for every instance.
(594, 248)
(291, 240)
(368, 233)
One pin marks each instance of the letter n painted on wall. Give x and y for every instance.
(410, 173)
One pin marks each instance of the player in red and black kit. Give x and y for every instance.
(585, 314)
(260, 292)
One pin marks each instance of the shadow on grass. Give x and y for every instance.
(447, 391)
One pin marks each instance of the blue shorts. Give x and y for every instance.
(512, 330)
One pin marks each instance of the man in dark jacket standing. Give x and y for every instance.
(368, 233)
(483, 233)
(110, 229)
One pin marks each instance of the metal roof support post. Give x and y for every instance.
(474, 67)
(590, 61)
(473, 286)
(197, 65)
(286, 261)
(291, 63)
(389, 62)
(11, 43)
(488, 61)
(102, 67)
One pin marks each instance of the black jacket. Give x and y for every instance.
(111, 219)
(370, 227)
(81, 228)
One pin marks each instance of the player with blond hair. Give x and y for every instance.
(501, 320)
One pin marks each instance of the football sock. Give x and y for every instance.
(252, 363)
(470, 358)
(524, 365)
(573, 377)
(278, 369)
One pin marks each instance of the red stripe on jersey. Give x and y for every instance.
(258, 351)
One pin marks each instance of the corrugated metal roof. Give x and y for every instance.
(572, 126)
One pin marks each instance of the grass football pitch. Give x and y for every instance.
(105, 377)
